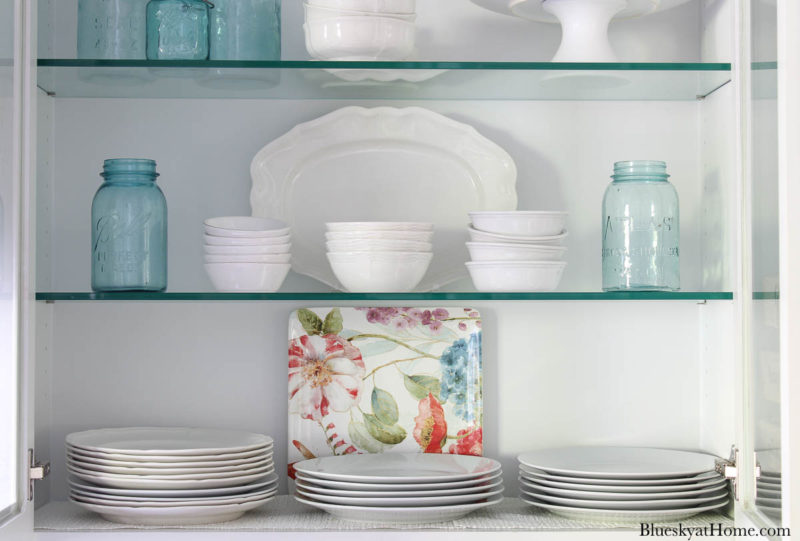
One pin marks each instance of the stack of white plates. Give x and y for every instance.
(399, 488)
(245, 253)
(622, 484)
(517, 250)
(170, 476)
(386, 257)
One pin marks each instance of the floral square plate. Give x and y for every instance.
(375, 380)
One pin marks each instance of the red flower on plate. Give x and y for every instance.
(430, 428)
(469, 442)
(325, 374)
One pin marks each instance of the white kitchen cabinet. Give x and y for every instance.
(706, 368)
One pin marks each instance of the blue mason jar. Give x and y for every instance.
(245, 30)
(177, 29)
(112, 29)
(129, 229)
(641, 229)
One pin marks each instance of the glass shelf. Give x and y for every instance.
(431, 296)
(333, 80)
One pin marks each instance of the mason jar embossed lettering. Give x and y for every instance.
(177, 29)
(111, 29)
(129, 229)
(641, 229)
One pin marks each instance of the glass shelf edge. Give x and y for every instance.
(345, 297)
(405, 65)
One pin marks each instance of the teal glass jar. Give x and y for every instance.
(245, 30)
(112, 29)
(641, 229)
(129, 229)
(177, 29)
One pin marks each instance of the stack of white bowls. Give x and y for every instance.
(360, 29)
(244, 253)
(383, 257)
(517, 250)
(170, 476)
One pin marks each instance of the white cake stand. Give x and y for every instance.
(584, 23)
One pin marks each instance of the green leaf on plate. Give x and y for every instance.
(390, 435)
(384, 407)
(333, 322)
(421, 386)
(362, 439)
(310, 321)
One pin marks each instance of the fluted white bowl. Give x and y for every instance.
(360, 38)
(520, 222)
(516, 276)
(317, 13)
(336, 227)
(371, 6)
(483, 236)
(255, 249)
(245, 226)
(416, 236)
(251, 277)
(384, 272)
(211, 240)
(490, 251)
(370, 245)
(251, 258)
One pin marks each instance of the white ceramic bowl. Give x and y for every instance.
(520, 222)
(488, 251)
(516, 275)
(360, 38)
(256, 249)
(416, 236)
(254, 277)
(211, 240)
(482, 236)
(318, 13)
(367, 245)
(245, 226)
(336, 227)
(372, 6)
(383, 272)
(252, 258)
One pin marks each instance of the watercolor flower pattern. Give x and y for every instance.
(430, 426)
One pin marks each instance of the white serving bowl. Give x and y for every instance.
(255, 277)
(416, 236)
(520, 222)
(369, 245)
(336, 227)
(482, 236)
(516, 275)
(256, 249)
(372, 6)
(488, 251)
(318, 13)
(252, 258)
(245, 226)
(384, 272)
(360, 38)
(211, 240)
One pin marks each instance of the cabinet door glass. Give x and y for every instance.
(765, 363)
(9, 384)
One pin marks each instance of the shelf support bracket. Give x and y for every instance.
(36, 472)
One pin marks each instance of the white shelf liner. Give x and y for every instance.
(284, 514)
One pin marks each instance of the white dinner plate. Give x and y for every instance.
(97, 500)
(126, 470)
(383, 163)
(533, 10)
(776, 503)
(766, 492)
(208, 492)
(398, 468)
(635, 517)
(400, 515)
(169, 459)
(310, 487)
(620, 496)
(216, 464)
(396, 487)
(134, 499)
(610, 505)
(145, 483)
(147, 441)
(707, 482)
(172, 516)
(532, 473)
(413, 501)
(267, 467)
(618, 462)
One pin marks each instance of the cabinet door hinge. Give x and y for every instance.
(730, 469)
(36, 472)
